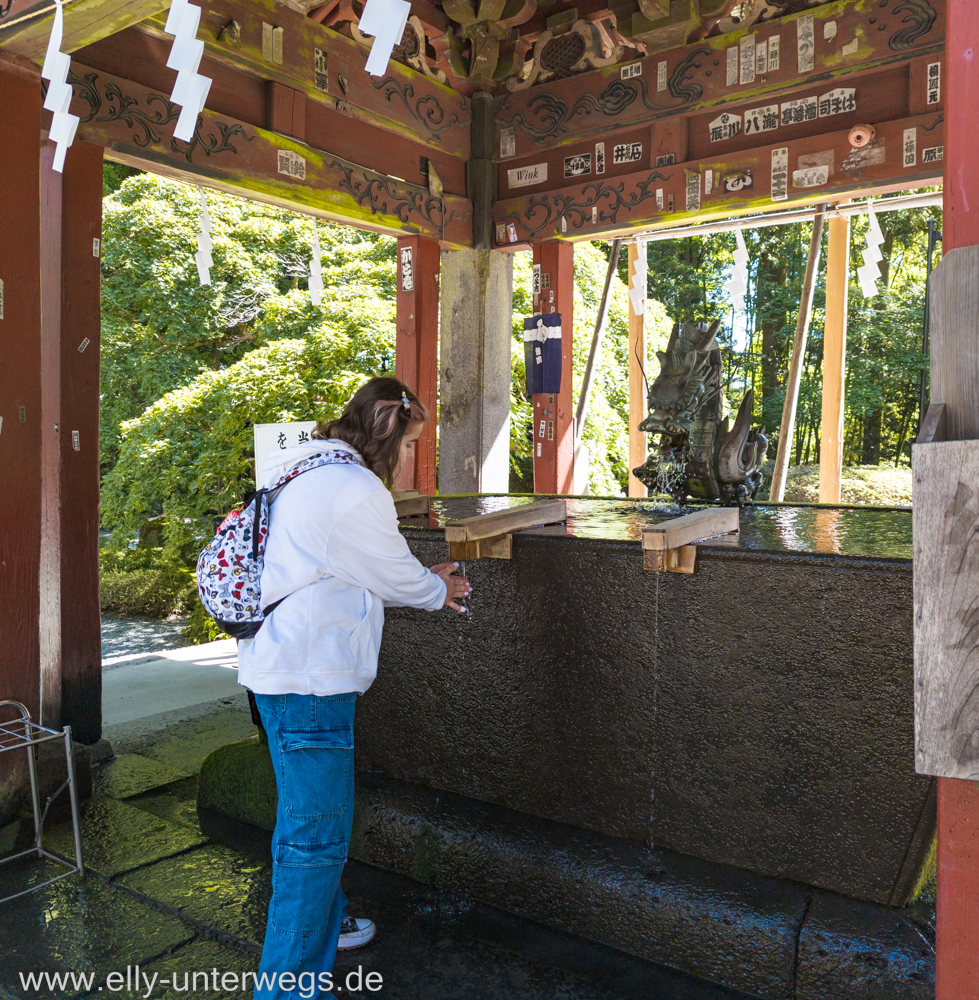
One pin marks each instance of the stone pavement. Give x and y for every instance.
(161, 896)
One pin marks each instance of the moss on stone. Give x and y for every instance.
(238, 781)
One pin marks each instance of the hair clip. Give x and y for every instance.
(404, 401)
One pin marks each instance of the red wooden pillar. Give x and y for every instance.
(70, 384)
(554, 414)
(957, 945)
(416, 351)
(20, 383)
(20, 393)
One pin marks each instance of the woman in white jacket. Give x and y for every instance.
(333, 560)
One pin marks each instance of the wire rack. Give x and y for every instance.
(23, 734)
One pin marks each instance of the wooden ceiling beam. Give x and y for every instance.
(86, 21)
(905, 154)
(329, 68)
(140, 58)
(825, 47)
(135, 126)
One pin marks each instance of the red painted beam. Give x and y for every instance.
(416, 351)
(664, 196)
(554, 414)
(957, 935)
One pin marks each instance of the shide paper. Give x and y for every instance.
(637, 282)
(386, 21)
(191, 89)
(55, 70)
(316, 270)
(870, 272)
(204, 245)
(738, 285)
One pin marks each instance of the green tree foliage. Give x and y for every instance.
(884, 361)
(189, 455)
(161, 327)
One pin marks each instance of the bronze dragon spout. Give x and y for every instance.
(699, 453)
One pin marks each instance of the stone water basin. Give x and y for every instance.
(758, 713)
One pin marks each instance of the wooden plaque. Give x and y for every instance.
(946, 608)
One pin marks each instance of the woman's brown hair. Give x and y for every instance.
(374, 421)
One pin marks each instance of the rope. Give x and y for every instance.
(35, 15)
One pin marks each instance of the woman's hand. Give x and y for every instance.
(456, 587)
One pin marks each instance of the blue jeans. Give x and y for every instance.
(312, 747)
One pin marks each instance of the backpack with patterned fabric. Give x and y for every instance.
(229, 570)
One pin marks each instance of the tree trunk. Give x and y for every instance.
(872, 433)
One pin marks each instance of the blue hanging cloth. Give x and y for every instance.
(542, 353)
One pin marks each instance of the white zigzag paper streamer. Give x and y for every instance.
(55, 70)
(204, 245)
(191, 89)
(737, 286)
(870, 272)
(386, 21)
(637, 282)
(316, 270)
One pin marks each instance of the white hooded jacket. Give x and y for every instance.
(336, 557)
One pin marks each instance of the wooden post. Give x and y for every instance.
(416, 351)
(78, 439)
(955, 382)
(70, 621)
(553, 420)
(638, 441)
(794, 381)
(475, 345)
(20, 399)
(834, 360)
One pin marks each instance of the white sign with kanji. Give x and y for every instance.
(806, 109)
(761, 119)
(934, 82)
(837, 102)
(725, 126)
(627, 152)
(278, 437)
(780, 174)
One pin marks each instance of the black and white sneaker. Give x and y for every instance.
(355, 932)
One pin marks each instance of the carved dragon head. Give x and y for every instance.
(686, 379)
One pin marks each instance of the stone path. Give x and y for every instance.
(161, 896)
(137, 634)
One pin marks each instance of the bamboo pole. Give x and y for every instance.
(596, 341)
(638, 440)
(834, 359)
(787, 429)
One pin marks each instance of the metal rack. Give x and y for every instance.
(22, 734)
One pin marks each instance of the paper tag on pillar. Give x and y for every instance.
(76, 444)
(780, 174)
(1, 298)
(806, 42)
(407, 272)
(910, 147)
(693, 190)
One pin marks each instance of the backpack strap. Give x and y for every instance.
(335, 456)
